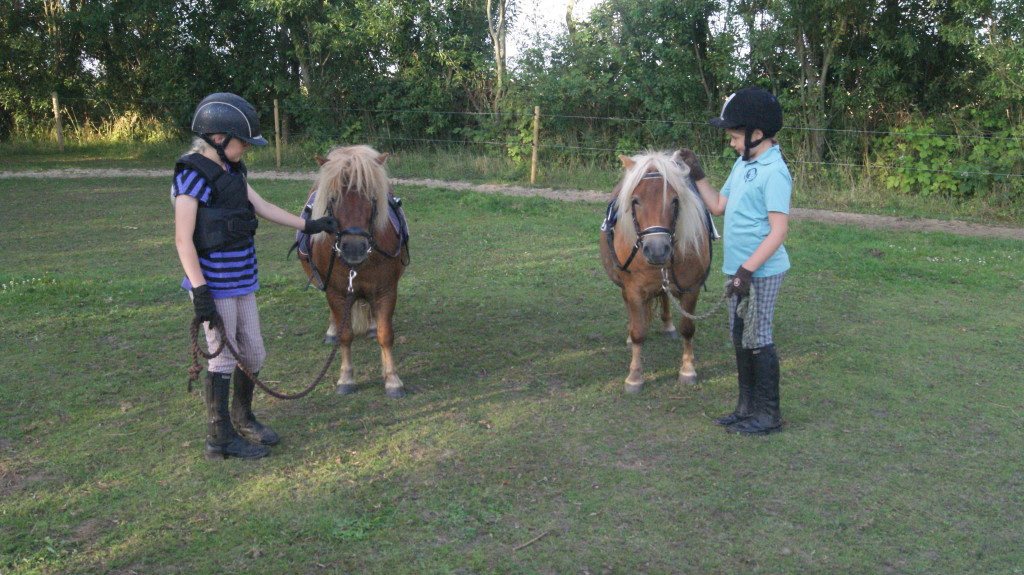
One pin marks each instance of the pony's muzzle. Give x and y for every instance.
(354, 250)
(353, 246)
(657, 248)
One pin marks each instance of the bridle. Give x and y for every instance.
(372, 246)
(649, 231)
(371, 240)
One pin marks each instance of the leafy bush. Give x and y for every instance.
(981, 160)
(917, 160)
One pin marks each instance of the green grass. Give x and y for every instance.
(517, 450)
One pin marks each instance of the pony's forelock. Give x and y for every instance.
(354, 169)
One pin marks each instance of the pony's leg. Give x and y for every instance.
(385, 309)
(687, 327)
(637, 335)
(346, 378)
(668, 329)
(371, 331)
(332, 330)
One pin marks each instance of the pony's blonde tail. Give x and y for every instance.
(360, 320)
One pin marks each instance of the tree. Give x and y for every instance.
(40, 42)
(497, 30)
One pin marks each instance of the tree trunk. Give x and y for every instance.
(497, 29)
(569, 22)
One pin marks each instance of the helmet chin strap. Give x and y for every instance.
(219, 147)
(749, 145)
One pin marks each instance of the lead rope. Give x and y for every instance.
(666, 287)
(196, 368)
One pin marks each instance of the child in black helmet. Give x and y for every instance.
(215, 212)
(755, 201)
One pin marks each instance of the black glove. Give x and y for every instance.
(690, 159)
(202, 300)
(324, 224)
(740, 284)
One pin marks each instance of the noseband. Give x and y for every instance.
(338, 236)
(649, 231)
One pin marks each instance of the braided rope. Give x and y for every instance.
(197, 351)
(718, 305)
(746, 309)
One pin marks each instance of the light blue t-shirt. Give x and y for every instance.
(755, 188)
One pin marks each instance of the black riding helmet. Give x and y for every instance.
(752, 109)
(226, 113)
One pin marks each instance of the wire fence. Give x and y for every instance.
(910, 157)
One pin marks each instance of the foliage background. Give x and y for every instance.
(920, 98)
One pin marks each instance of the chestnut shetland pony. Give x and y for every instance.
(659, 244)
(369, 255)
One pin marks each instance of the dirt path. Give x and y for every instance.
(825, 216)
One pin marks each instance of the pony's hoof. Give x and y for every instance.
(688, 379)
(671, 333)
(371, 333)
(346, 389)
(634, 388)
(394, 392)
(331, 339)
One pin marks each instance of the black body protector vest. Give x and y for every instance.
(229, 220)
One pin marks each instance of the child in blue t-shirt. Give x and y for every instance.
(755, 201)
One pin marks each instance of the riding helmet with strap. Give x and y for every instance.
(751, 109)
(229, 114)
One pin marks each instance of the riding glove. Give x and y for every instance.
(202, 300)
(690, 159)
(740, 283)
(325, 224)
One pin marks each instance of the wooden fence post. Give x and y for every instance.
(56, 117)
(536, 144)
(277, 132)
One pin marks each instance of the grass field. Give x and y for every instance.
(517, 451)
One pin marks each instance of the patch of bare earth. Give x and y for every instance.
(865, 220)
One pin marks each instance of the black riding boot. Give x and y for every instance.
(745, 375)
(767, 416)
(221, 439)
(241, 412)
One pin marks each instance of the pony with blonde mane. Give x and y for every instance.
(364, 260)
(656, 243)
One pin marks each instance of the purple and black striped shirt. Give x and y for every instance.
(229, 273)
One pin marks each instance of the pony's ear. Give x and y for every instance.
(382, 158)
(626, 161)
(320, 161)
